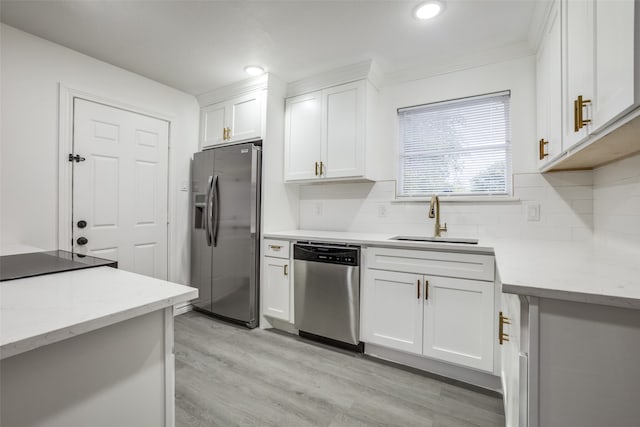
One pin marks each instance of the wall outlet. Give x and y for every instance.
(533, 212)
(382, 211)
(318, 208)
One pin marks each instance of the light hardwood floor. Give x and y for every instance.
(230, 376)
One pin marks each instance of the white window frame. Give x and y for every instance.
(466, 196)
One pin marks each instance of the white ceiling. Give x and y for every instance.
(197, 46)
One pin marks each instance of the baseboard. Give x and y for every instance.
(283, 325)
(483, 380)
(182, 309)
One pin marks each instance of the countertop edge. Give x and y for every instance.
(31, 343)
(573, 296)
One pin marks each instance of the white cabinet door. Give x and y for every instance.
(343, 130)
(244, 117)
(303, 134)
(510, 359)
(213, 124)
(614, 60)
(549, 88)
(277, 289)
(458, 321)
(392, 310)
(578, 53)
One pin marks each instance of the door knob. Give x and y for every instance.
(82, 241)
(82, 224)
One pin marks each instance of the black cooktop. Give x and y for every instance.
(39, 263)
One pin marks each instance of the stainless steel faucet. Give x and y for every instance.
(434, 212)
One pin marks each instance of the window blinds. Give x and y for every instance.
(459, 147)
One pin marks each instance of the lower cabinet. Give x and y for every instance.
(392, 310)
(445, 318)
(277, 289)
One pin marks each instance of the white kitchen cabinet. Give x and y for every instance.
(615, 89)
(549, 88)
(406, 307)
(303, 137)
(392, 310)
(276, 289)
(578, 69)
(325, 133)
(238, 119)
(458, 321)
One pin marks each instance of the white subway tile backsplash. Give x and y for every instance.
(566, 211)
(616, 203)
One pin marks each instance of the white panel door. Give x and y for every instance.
(549, 87)
(245, 117)
(120, 190)
(392, 310)
(302, 139)
(458, 321)
(212, 125)
(277, 289)
(343, 129)
(578, 32)
(615, 54)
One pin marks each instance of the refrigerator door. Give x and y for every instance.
(201, 221)
(236, 207)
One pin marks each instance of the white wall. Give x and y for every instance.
(616, 199)
(565, 199)
(31, 70)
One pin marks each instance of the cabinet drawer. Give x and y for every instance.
(465, 266)
(276, 248)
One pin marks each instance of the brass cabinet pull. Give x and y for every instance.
(418, 289)
(581, 104)
(576, 124)
(503, 320)
(275, 247)
(286, 269)
(321, 168)
(426, 289)
(541, 145)
(316, 168)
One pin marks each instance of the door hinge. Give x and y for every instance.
(76, 158)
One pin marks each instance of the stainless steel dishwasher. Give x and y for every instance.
(327, 293)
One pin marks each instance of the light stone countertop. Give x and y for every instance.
(573, 271)
(38, 311)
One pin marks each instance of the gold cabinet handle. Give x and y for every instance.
(316, 168)
(321, 168)
(581, 104)
(541, 149)
(503, 320)
(426, 289)
(578, 109)
(418, 289)
(275, 247)
(286, 269)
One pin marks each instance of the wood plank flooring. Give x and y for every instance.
(231, 376)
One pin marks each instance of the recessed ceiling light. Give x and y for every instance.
(253, 70)
(428, 10)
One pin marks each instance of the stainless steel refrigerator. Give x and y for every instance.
(225, 232)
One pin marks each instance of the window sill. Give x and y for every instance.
(459, 199)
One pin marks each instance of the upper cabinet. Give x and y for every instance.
(326, 133)
(598, 77)
(549, 89)
(234, 120)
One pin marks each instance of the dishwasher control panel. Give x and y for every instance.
(327, 254)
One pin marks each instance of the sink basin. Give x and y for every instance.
(437, 239)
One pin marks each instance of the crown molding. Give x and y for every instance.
(231, 91)
(479, 59)
(539, 17)
(360, 71)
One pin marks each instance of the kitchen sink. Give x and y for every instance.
(437, 239)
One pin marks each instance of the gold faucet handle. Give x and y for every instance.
(443, 227)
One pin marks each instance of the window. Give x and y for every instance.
(460, 147)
